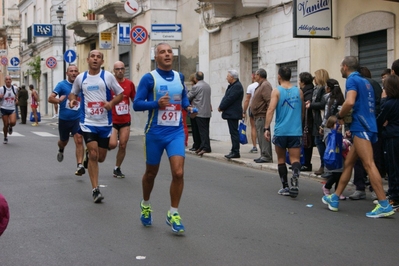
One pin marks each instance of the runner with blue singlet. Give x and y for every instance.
(162, 93)
(68, 119)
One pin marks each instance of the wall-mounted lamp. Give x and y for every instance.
(9, 42)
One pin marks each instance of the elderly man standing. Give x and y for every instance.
(231, 108)
(200, 98)
(259, 104)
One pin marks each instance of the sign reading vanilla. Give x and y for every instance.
(312, 18)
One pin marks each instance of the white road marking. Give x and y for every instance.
(14, 134)
(44, 134)
(39, 133)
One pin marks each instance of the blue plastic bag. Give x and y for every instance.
(32, 118)
(242, 131)
(301, 159)
(333, 155)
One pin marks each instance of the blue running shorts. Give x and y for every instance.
(370, 136)
(155, 144)
(67, 126)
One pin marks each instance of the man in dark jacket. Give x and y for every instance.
(23, 103)
(306, 85)
(231, 108)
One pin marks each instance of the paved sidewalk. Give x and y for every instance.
(221, 148)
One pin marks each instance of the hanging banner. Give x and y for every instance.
(312, 18)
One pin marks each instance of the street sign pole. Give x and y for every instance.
(64, 47)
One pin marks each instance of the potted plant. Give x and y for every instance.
(89, 14)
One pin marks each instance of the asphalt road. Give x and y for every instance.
(232, 214)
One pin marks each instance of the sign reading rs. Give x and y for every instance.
(42, 30)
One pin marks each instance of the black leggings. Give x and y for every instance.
(333, 179)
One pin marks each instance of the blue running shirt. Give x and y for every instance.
(66, 113)
(363, 115)
(151, 88)
(288, 113)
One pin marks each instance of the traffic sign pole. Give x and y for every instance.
(64, 46)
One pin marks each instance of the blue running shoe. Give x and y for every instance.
(175, 223)
(332, 201)
(146, 218)
(380, 211)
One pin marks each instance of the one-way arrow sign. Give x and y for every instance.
(166, 27)
(69, 56)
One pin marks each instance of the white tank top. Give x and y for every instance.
(8, 101)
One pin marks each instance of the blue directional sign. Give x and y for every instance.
(166, 27)
(14, 61)
(42, 30)
(69, 56)
(123, 35)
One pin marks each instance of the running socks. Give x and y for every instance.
(283, 172)
(296, 169)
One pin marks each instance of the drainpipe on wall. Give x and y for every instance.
(258, 55)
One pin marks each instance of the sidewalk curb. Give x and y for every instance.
(272, 167)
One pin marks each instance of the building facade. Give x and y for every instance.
(93, 24)
(213, 36)
(137, 56)
(250, 34)
(9, 40)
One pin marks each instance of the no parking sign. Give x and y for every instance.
(4, 60)
(51, 62)
(138, 34)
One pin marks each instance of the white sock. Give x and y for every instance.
(116, 167)
(173, 210)
(146, 203)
